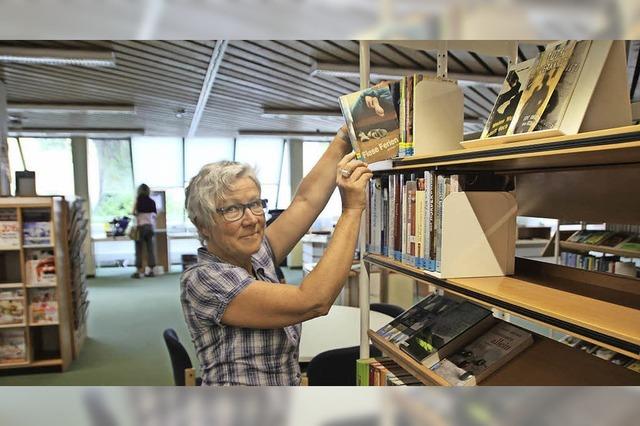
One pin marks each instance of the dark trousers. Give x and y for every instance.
(145, 242)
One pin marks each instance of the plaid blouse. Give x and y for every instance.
(233, 355)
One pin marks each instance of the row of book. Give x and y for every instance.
(605, 238)
(536, 93)
(36, 228)
(603, 353)
(78, 231)
(382, 371)
(42, 306)
(458, 340)
(405, 213)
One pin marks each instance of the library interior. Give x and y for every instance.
(319, 213)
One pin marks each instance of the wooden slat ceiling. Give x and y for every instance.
(162, 78)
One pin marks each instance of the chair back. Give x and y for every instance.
(180, 360)
(336, 367)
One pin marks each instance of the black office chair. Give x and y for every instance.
(336, 367)
(183, 371)
(387, 309)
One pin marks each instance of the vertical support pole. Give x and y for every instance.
(363, 283)
(5, 173)
(81, 187)
(513, 56)
(443, 59)
(556, 243)
(296, 146)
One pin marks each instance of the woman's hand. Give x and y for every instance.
(352, 177)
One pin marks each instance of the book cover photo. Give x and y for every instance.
(40, 268)
(372, 121)
(43, 306)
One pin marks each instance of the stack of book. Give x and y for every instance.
(382, 371)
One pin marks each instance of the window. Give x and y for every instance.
(311, 153)
(50, 158)
(265, 154)
(110, 175)
(201, 151)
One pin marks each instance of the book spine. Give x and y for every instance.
(420, 193)
(441, 193)
(404, 219)
(397, 253)
(392, 217)
(385, 217)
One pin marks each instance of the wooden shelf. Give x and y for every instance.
(43, 324)
(602, 147)
(38, 246)
(42, 286)
(10, 285)
(601, 249)
(13, 325)
(10, 248)
(606, 323)
(34, 364)
(545, 363)
(13, 364)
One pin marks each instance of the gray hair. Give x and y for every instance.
(208, 189)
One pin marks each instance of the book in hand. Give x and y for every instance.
(415, 318)
(372, 122)
(492, 350)
(505, 106)
(12, 307)
(425, 345)
(12, 346)
(43, 305)
(40, 268)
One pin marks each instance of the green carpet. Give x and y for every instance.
(126, 321)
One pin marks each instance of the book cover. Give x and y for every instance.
(9, 234)
(12, 346)
(12, 307)
(398, 219)
(373, 124)
(424, 345)
(492, 350)
(40, 268)
(36, 233)
(543, 79)
(561, 96)
(615, 239)
(505, 106)
(391, 226)
(412, 188)
(43, 305)
(453, 374)
(632, 244)
(416, 317)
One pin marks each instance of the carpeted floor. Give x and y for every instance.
(126, 321)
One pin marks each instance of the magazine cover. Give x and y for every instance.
(507, 101)
(36, 233)
(43, 305)
(9, 235)
(543, 79)
(373, 123)
(12, 346)
(11, 307)
(40, 268)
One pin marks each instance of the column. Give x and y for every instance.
(5, 177)
(294, 260)
(81, 187)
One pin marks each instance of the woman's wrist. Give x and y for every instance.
(343, 139)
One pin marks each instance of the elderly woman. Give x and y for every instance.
(246, 325)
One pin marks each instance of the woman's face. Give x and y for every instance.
(242, 238)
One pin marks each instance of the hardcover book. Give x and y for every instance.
(492, 350)
(505, 106)
(373, 124)
(424, 346)
(543, 79)
(416, 317)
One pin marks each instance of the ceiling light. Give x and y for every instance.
(71, 108)
(290, 112)
(38, 56)
(393, 73)
(66, 132)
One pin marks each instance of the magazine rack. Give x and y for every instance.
(47, 343)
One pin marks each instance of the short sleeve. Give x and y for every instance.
(209, 291)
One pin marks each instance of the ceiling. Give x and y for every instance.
(164, 80)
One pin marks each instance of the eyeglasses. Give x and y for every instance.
(236, 211)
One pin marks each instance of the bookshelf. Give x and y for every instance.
(44, 338)
(597, 307)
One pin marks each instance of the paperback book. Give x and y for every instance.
(372, 121)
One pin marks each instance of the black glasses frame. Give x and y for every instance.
(242, 207)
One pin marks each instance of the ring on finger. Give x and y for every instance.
(346, 173)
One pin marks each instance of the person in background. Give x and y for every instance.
(145, 213)
(244, 323)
